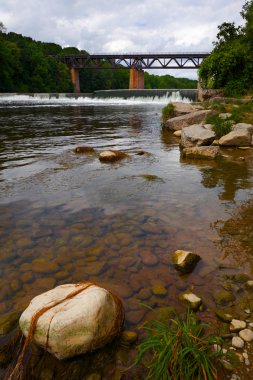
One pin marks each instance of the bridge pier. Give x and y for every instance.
(74, 73)
(136, 80)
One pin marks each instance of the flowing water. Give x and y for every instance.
(67, 217)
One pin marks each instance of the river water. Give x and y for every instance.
(67, 218)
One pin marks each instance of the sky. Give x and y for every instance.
(112, 26)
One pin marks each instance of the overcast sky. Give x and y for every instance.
(122, 26)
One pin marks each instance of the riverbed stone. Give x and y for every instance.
(180, 122)
(159, 290)
(84, 317)
(223, 316)
(202, 152)
(196, 135)
(249, 285)
(246, 335)
(182, 108)
(84, 149)
(129, 337)
(238, 137)
(237, 342)
(148, 258)
(185, 261)
(8, 322)
(237, 325)
(191, 300)
(112, 155)
(222, 297)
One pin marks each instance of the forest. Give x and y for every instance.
(230, 65)
(32, 66)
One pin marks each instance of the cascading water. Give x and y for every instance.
(109, 97)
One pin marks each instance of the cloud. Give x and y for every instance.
(122, 26)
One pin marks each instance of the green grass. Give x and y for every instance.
(178, 350)
(168, 111)
(221, 127)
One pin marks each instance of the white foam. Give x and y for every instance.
(17, 100)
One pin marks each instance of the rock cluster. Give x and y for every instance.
(195, 134)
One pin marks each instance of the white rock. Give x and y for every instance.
(177, 133)
(237, 342)
(251, 324)
(225, 116)
(247, 362)
(247, 311)
(85, 321)
(249, 284)
(246, 335)
(191, 300)
(237, 325)
(245, 355)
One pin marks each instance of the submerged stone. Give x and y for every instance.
(84, 149)
(223, 296)
(129, 337)
(8, 322)
(223, 316)
(185, 261)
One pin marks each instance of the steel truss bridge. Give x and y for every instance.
(138, 61)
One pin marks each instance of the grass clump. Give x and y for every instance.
(168, 111)
(178, 350)
(221, 127)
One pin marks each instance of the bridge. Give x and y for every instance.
(135, 62)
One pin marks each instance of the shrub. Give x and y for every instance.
(179, 351)
(221, 127)
(168, 111)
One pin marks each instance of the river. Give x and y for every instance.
(66, 217)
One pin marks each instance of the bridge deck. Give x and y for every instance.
(135, 60)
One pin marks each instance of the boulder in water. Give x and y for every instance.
(73, 319)
(112, 155)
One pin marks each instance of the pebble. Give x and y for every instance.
(246, 335)
(251, 324)
(237, 342)
(247, 362)
(247, 311)
(245, 355)
(237, 325)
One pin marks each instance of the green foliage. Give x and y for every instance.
(221, 127)
(230, 65)
(31, 66)
(180, 351)
(168, 111)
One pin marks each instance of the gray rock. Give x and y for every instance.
(236, 138)
(243, 126)
(185, 108)
(246, 335)
(180, 122)
(196, 134)
(237, 342)
(202, 152)
(185, 261)
(237, 325)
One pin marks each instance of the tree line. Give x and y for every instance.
(230, 65)
(31, 66)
